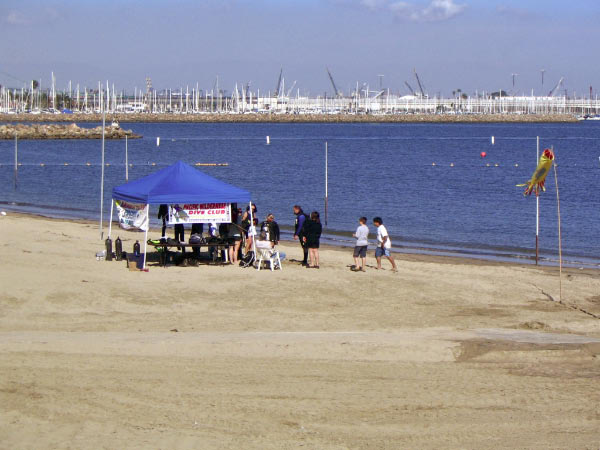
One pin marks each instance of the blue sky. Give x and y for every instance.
(453, 44)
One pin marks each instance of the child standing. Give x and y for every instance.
(360, 250)
(384, 244)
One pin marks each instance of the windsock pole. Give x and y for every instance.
(326, 185)
(537, 212)
(559, 235)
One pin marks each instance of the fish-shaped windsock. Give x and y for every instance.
(538, 179)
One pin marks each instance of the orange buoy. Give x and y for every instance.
(483, 154)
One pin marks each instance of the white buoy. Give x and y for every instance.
(493, 140)
(158, 141)
(268, 140)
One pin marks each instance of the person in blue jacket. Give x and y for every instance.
(299, 225)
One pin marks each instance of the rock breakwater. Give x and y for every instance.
(61, 131)
(296, 118)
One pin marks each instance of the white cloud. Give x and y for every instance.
(373, 4)
(440, 10)
(39, 16)
(435, 11)
(514, 13)
(16, 18)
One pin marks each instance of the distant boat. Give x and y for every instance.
(588, 117)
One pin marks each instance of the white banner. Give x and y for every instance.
(200, 213)
(132, 216)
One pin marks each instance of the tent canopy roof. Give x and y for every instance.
(179, 183)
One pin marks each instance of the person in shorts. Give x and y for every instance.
(362, 242)
(234, 234)
(384, 244)
(312, 237)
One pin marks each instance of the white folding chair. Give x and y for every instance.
(268, 254)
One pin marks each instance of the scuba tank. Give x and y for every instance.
(119, 249)
(136, 248)
(108, 244)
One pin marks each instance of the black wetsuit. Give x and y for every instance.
(299, 228)
(163, 212)
(272, 229)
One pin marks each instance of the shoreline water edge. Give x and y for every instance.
(344, 240)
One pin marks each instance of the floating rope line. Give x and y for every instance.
(88, 164)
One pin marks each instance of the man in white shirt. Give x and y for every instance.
(362, 241)
(384, 244)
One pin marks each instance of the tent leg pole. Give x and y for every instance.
(251, 225)
(146, 234)
(112, 204)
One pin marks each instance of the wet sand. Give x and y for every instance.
(446, 353)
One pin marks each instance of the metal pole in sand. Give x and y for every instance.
(112, 205)
(537, 212)
(326, 185)
(16, 159)
(126, 161)
(102, 173)
(559, 235)
(146, 235)
(252, 228)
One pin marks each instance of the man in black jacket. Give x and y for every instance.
(301, 220)
(271, 228)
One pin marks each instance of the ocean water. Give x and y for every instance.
(464, 204)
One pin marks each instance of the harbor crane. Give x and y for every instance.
(336, 91)
(542, 72)
(419, 83)
(556, 88)
(412, 91)
(278, 83)
(291, 89)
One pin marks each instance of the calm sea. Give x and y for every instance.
(428, 181)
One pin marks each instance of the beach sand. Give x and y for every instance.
(446, 353)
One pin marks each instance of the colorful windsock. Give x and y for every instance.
(539, 176)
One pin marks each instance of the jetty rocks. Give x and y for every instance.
(62, 131)
(294, 118)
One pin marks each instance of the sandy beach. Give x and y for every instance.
(446, 353)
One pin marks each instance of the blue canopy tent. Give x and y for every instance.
(179, 183)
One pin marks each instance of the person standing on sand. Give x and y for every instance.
(234, 233)
(362, 242)
(384, 244)
(271, 228)
(301, 219)
(311, 237)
